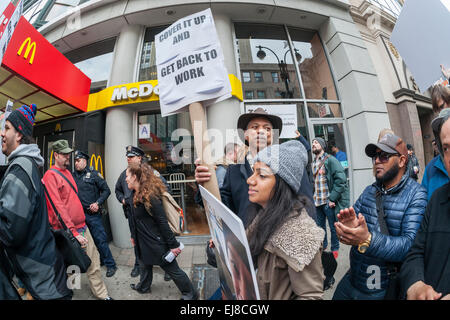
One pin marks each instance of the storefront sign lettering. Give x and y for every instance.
(123, 93)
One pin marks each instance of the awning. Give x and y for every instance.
(33, 71)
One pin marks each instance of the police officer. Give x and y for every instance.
(124, 195)
(93, 192)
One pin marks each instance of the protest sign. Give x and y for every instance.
(8, 31)
(191, 76)
(417, 36)
(236, 271)
(287, 113)
(190, 64)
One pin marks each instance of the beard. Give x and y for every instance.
(389, 175)
(316, 151)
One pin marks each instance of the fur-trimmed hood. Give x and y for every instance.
(297, 241)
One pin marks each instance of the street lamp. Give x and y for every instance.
(284, 73)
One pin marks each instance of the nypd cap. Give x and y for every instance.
(80, 154)
(133, 151)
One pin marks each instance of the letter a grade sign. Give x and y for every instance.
(144, 131)
(190, 64)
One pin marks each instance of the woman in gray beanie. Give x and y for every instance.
(285, 242)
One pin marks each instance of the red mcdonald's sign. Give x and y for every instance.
(32, 57)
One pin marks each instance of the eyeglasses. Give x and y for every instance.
(383, 156)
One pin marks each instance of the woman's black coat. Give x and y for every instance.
(152, 233)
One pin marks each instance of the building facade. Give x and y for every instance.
(309, 54)
(410, 111)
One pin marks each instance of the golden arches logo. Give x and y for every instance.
(97, 159)
(30, 46)
(51, 159)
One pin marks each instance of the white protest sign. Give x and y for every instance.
(7, 34)
(287, 113)
(419, 36)
(234, 260)
(190, 64)
(144, 131)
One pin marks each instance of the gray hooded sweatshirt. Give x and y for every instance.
(25, 233)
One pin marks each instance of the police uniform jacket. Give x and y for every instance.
(91, 187)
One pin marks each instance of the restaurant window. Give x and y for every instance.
(147, 67)
(171, 152)
(316, 76)
(265, 49)
(95, 60)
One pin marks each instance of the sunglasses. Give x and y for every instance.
(383, 156)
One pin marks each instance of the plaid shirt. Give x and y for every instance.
(321, 191)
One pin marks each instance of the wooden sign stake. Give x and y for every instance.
(202, 143)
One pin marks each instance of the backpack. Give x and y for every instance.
(173, 212)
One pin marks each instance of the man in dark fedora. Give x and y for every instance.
(257, 131)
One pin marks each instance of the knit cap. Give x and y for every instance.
(23, 119)
(288, 160)
(322, 143)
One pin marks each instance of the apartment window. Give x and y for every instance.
(246, 77)
(275, 77)
(261, 94)
(258, 77)
(249, 95)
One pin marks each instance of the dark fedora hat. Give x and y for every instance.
(245, 118)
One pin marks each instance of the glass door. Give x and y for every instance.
(48, 143)
(333, 132)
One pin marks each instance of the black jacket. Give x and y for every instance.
(429, 258)
(234, 192)
(151, 232)
(91, 187)
(123, 193)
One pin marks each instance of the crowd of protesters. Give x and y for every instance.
(398, 228)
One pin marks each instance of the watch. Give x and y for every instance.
(363, 246)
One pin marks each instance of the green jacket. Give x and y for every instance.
(337, 184)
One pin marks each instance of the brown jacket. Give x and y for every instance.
(290, 267)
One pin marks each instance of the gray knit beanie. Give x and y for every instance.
(322, 143)
(288, 160)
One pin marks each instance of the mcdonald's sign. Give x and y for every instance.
(97, 160)
(30, 46)
(37, 61)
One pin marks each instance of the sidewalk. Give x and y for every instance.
(192, 261)
(119, 284)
